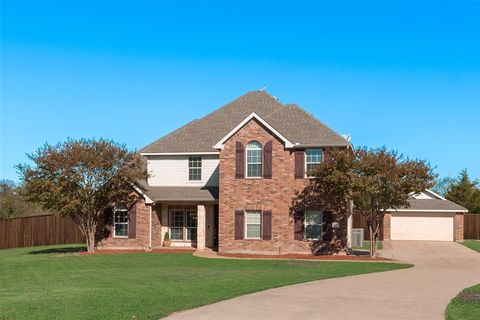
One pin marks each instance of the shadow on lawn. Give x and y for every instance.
(356, 252)
(59, 250)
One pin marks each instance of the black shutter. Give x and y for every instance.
(299, 164)
(132, 222)
(267, 159)
(299, 225)
(267, 225)
(239, 222)
(239, 160)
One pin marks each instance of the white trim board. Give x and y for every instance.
(147, 198)
(177, 153)
(435, 194)
(219, 144)
(424, 210)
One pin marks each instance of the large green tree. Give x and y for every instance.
(465, 192)
(13, 205)
(374, 180)
(442, 185)
(81, 178)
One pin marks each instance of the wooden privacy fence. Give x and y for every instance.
(38, 231)
(471, 226)
(359, 222)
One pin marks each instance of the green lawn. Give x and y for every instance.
(58, 283)
(472, 244)
(366, 245)
(458, 309)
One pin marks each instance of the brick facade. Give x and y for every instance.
(459, 219)
(275, 195)
(141, 240)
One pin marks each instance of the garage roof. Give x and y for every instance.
(434, 205)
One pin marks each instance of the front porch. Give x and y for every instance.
(189, 225)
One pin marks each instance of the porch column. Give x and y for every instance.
(349, 224)
(201, 226)
(349, 230)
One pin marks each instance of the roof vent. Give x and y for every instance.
(347, 137)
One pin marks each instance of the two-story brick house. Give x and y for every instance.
(227, 181)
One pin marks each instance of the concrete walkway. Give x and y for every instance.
(442, 269)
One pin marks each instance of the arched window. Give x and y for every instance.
(254, 160)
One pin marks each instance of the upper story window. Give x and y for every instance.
(312, 159)
(120, 221)
(313, 225)
(254, 160)
(195, 168)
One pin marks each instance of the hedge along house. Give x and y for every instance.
(227, 182)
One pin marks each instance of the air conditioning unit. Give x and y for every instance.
(357, 237)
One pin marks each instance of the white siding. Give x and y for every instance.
(173, 171)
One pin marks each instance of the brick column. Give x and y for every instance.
(201, 226)
(386, 226)
(459, 226)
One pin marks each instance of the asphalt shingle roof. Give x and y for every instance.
(291, 121)
(433, 204)
(181, 193)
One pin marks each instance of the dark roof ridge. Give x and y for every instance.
(229, 104)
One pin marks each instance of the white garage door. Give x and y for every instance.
(422, 226)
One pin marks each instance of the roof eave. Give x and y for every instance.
(428, 210)
(148, 200)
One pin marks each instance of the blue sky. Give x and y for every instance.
(401, 74)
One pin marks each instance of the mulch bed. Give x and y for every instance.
(113, 251)
(469, 296)
(304, 257)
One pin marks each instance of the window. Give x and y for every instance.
(191, 225)
(253, 224)
(176, 224)
(313, 225)
(313, 158)
(120, 222)
(254, 160)
(194, 168)
(183, 223)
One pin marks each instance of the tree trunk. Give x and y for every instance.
(373, 241)
(90, 236)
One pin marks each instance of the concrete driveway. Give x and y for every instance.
(442, 269)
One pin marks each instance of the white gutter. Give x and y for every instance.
(177, 153)
(424, 210)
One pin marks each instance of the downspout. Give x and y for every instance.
(150, 227)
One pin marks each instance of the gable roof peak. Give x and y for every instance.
(290, 121)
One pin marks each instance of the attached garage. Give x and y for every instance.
(429, 217)
(422, 226)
